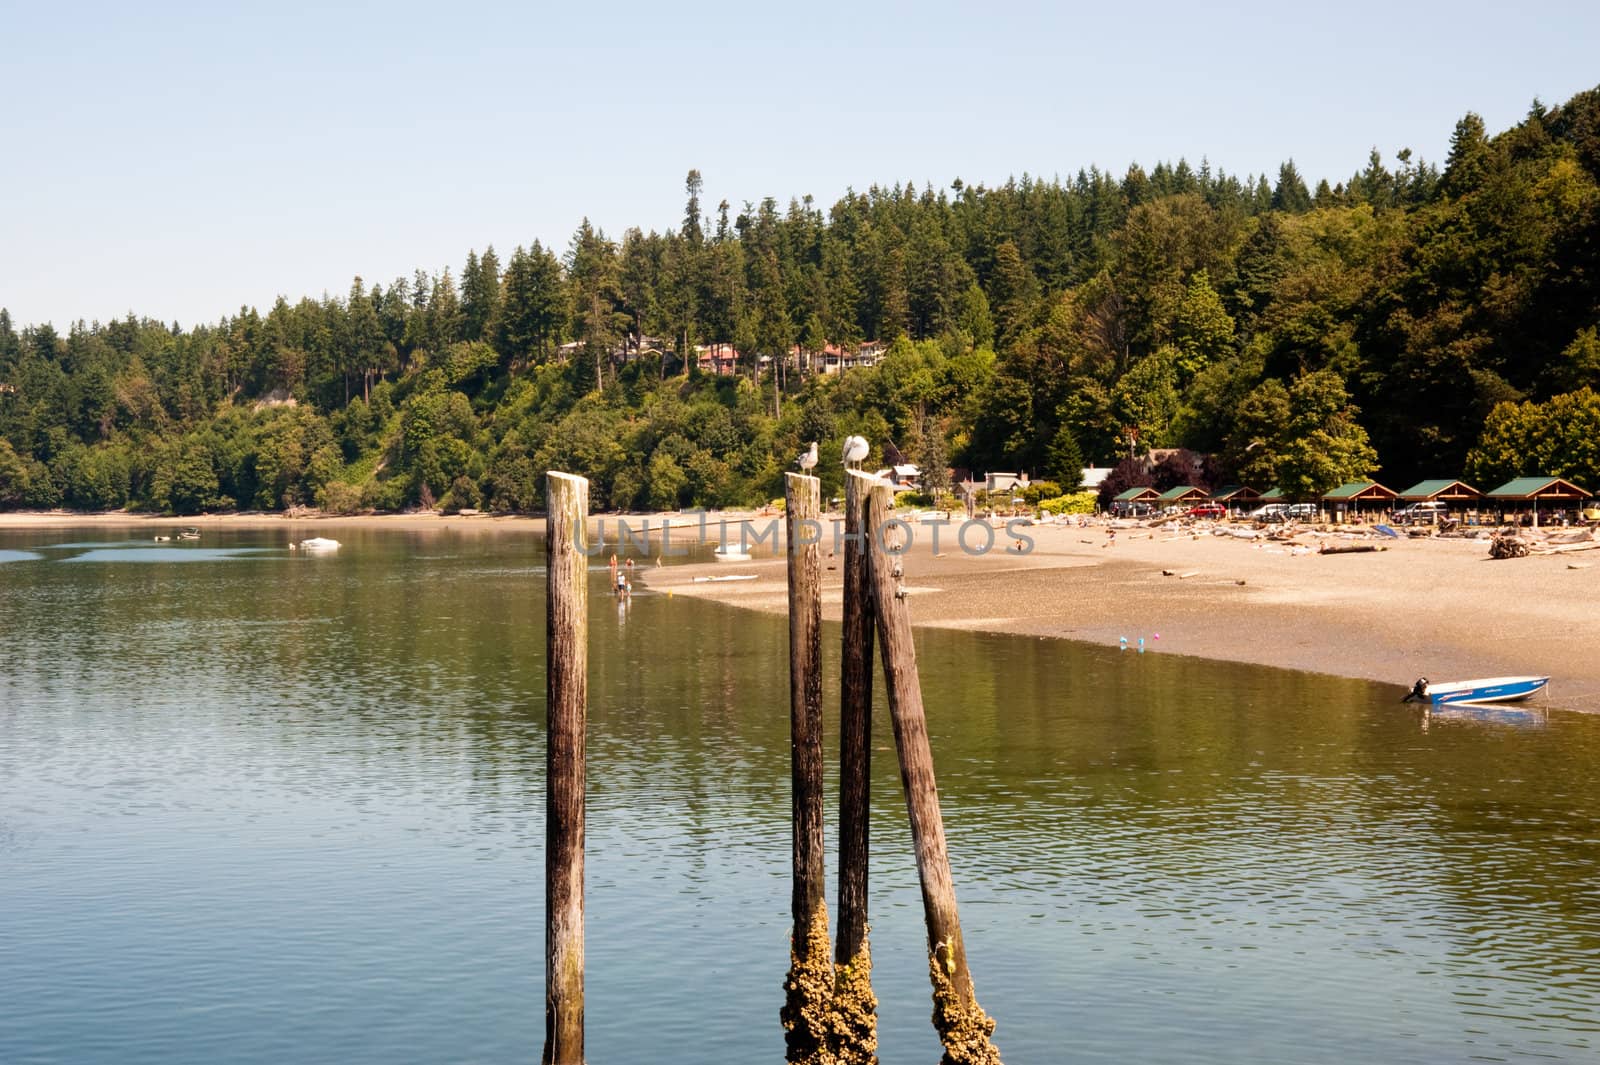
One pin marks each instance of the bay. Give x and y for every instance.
(257, 806)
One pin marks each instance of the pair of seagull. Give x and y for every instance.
(855, 449)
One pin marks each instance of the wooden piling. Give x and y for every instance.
(963, 1027)
(809, 984)
(854, 1004)
(566, 689)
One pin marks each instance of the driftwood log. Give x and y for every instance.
(1508, 547)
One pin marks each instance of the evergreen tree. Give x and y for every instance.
(1290, 194)
(480, 296)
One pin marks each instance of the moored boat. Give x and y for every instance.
(731, 553)
(1487, 690)
(319, 543)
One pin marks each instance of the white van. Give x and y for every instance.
(1430, 513)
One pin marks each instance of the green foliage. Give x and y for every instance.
(1076, 503)
(338, 498)
(1039, 490)
(186, 481)
(13, 477)
(1558, 438)
(1400, 312)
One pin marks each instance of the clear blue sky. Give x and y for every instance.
(179, 160)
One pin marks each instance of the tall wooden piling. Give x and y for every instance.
(566, 690)
(963, 1027)
(809, 984)
(854, 1005)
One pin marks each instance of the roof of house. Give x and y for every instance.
(1131, 494)
(1360, 490)
(1441, 489)
(1240, 492)
(1538, 488)
(1093, 475)
(1180, 493)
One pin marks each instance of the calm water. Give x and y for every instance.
(257, 808)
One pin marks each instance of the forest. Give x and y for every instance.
(1414, 320)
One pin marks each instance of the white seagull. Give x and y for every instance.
(855, 449)
(809, 458)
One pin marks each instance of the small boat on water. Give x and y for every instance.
(731, 553)
(1488, 690)
(317, 543)
(191, 533)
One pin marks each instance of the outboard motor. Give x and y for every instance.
(1419, 691)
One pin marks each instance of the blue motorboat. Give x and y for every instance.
(1488, 690)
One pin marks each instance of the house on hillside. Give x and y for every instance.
(1092, 476)
(834, 358)
(1002, 482)
(720, 359)
(905, 476)
(1157, 455)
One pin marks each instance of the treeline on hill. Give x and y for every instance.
(1408, 322)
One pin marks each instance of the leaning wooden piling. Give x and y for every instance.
(809, 984)
(566, 690)
(963, 1027)
(855, 1007)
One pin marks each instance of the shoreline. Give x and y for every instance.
(1423, 607)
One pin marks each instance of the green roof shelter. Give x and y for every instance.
(1442, 492)
(1184, 493)
(1272, 495)
(1235, 493)
(1141, 494)
(1357, 492)
(1357, 496)
(1536, 490)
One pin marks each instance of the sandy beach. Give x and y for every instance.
(1422, 607)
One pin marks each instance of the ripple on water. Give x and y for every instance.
(259, 812)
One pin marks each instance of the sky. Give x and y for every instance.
(181, 160)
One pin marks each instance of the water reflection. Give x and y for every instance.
(251, 809)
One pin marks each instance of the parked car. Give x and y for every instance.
(1420, 514)
(1123, 509)
(1208, 510)
(1285, 512)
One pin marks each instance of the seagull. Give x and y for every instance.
(855, 449)
(809, 459)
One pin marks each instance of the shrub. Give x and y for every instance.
(1039, 490)
(387, 495)
(1076, 503)
(464, 495)
(913, 499)
(336, 497)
